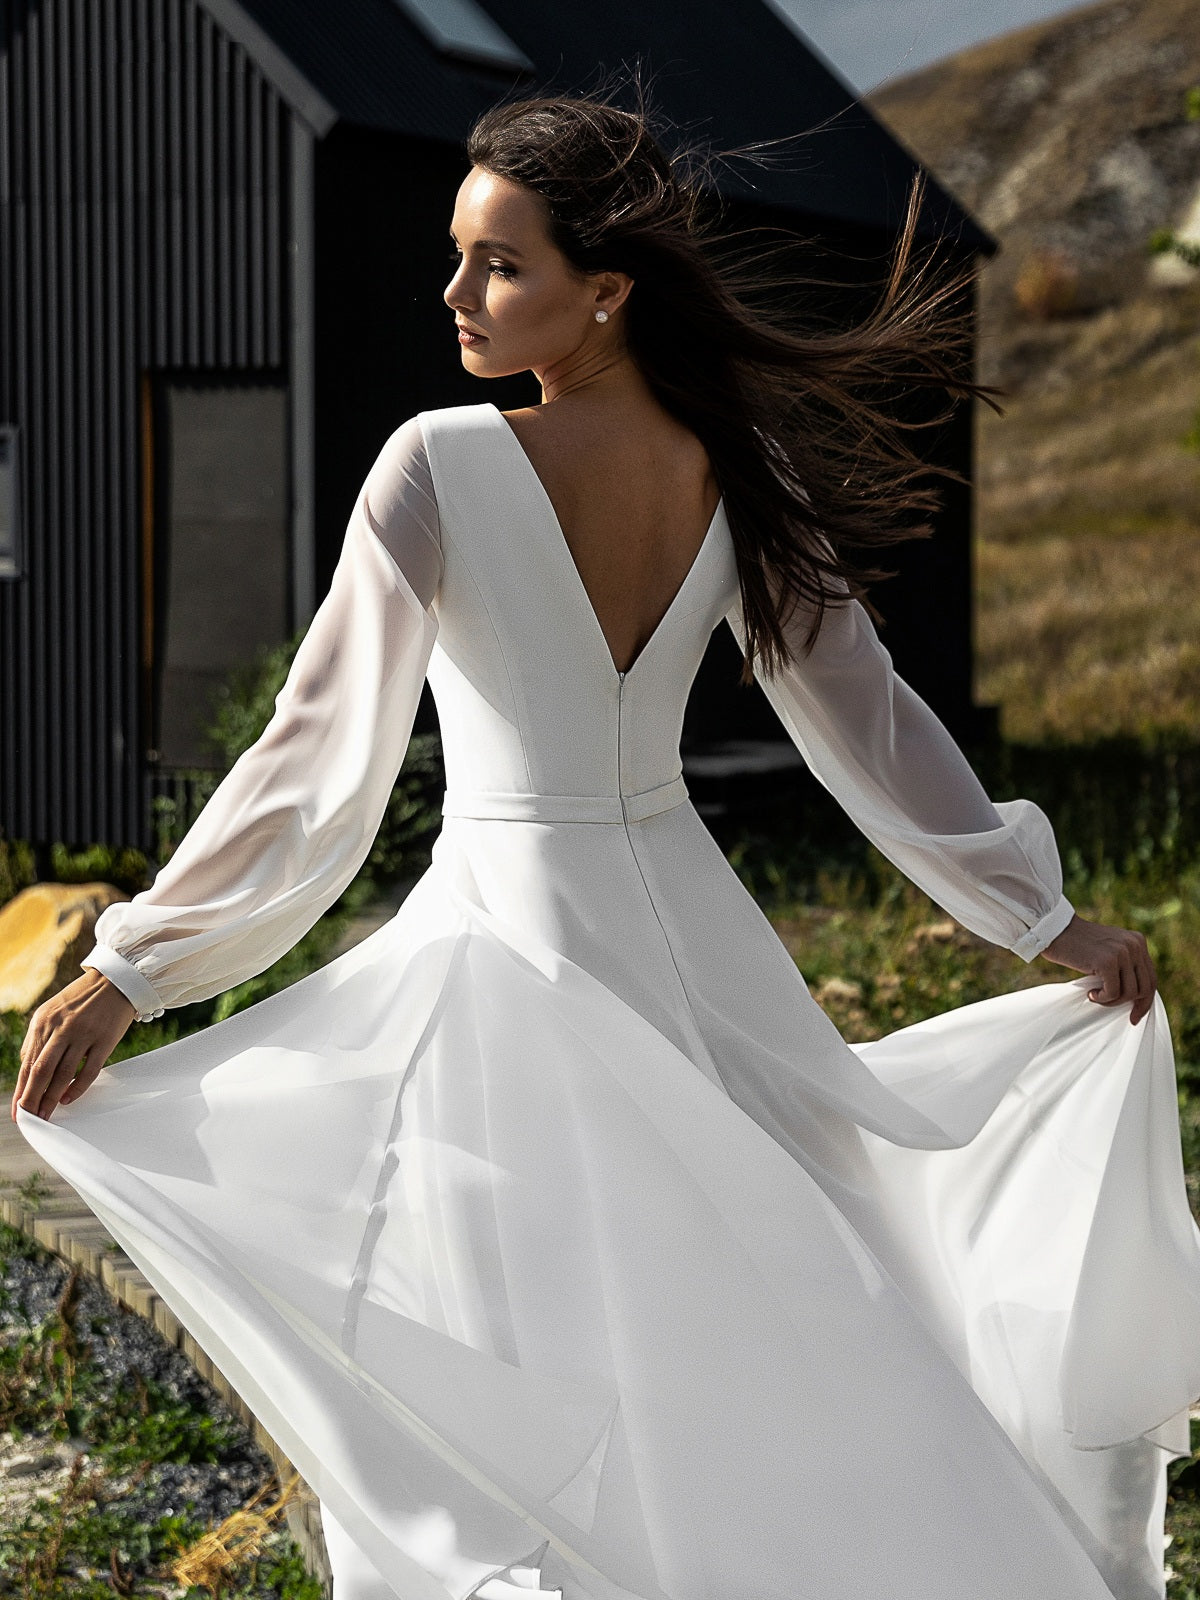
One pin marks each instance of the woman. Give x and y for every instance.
(554, 1231)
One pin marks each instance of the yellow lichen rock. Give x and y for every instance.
(45, 932)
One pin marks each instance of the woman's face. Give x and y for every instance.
(516, 288)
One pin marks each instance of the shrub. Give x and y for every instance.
(1047, 285)
(244, 706)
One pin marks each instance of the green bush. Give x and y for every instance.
(17, 870)
(245, 704)
(1120, 807)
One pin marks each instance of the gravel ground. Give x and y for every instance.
(121, 1344)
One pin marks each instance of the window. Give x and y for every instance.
(462, 28)
(220, 551)
(10, 532)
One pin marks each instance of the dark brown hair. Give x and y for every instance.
(801, 423)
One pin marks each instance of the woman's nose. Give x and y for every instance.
(454, 295)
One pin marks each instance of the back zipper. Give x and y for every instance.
(620, 784)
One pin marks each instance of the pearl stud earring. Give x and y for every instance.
(602, 316)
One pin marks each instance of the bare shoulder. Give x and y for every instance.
(581, 442)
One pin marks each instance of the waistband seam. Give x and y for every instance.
(514, 806)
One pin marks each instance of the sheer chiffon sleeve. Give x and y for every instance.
(292, 821)
(891, 764)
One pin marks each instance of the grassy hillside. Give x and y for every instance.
(1071, 142)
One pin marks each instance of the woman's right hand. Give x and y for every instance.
(79, 1027)
(1118, 957)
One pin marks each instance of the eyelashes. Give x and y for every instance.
(501, 272)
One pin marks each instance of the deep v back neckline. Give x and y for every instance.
(576, 576)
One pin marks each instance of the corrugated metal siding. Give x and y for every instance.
(143, 226)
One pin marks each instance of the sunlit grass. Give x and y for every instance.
(1087, 556)
(1082, 637)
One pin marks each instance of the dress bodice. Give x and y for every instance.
(558, 720)
(455, 569)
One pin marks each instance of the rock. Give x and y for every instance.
(837, 989)
(935, 933)
(45, 932)
(30, 1462)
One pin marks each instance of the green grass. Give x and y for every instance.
(92, 1522)
(1183, 1523)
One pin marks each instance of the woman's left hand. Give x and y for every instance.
(1119, 957)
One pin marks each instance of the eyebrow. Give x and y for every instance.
(493, 244)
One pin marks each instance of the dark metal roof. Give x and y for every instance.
(725, 72)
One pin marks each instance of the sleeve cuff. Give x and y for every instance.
(126, 977)
(1035, 939)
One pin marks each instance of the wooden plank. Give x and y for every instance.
(48, 1227)
(112, 1266)
(166, 1322)
(86, 1245)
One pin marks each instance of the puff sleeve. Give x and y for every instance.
(292, 821)
(891, 764)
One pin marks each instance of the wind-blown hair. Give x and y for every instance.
(800, 422)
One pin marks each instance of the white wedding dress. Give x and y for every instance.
(554, 1231)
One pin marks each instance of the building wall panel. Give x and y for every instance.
(143, 230)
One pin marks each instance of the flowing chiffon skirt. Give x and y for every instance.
(536, 1298)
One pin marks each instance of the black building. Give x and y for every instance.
(223, 248)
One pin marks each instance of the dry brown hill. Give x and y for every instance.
(1070, 141)
(1071, 134)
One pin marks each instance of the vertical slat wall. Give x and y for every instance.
(142, 228)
